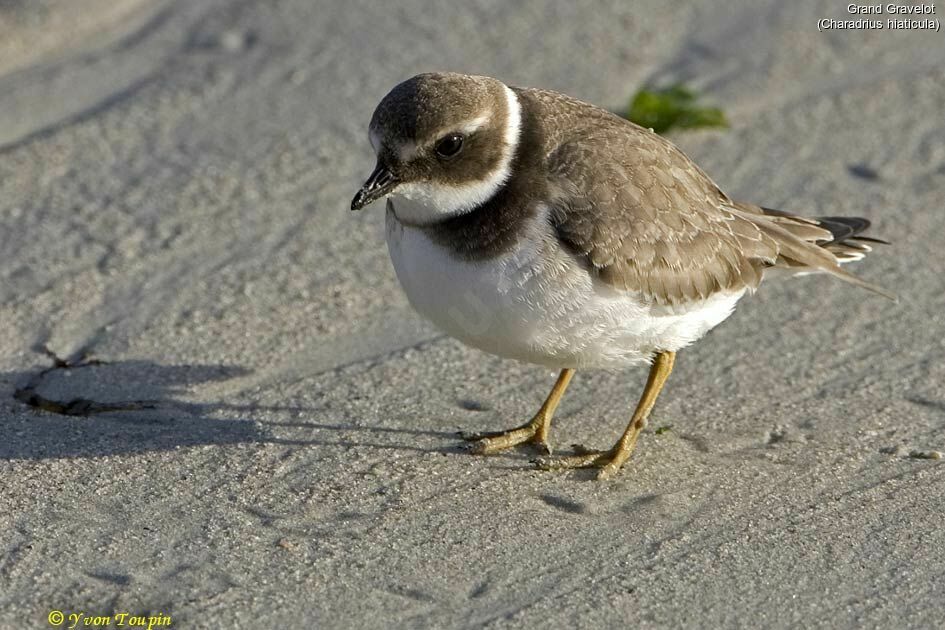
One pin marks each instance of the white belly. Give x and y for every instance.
(537, 304)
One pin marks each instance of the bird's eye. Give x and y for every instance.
(449, 146)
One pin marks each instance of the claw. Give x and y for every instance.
(494, 442)
(585, 458)
(608, 461)
(479, 447)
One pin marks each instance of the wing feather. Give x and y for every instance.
(645, 218)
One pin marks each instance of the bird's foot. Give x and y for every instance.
(609, 462)
(496, 441)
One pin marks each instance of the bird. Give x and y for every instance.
(534, 226)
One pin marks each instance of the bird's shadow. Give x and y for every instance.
(88, 408)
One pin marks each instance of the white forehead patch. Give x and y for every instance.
(428, 202)
(407, 151)
(375, 139)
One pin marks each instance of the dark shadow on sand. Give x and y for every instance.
(83, 409)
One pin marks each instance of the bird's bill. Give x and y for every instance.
(379, 184)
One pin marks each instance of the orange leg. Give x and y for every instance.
(610, 461)
(535, 431)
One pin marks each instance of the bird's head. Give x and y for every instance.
(444, 144)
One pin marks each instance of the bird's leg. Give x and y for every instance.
(534, 431)
(610, 461)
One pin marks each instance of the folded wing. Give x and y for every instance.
(646, 219)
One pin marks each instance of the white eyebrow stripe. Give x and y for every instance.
(473, 125)
(467, 128)
(408, 150)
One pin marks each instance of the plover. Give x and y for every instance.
(534, 226)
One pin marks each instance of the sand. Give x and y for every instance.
(174, 183)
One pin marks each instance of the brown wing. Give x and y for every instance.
(647, 219)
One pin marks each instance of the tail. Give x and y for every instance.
(817, 244)
(848, 243)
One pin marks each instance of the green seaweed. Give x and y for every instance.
(663, 429)
(672, 107)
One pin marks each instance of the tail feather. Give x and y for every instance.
(847, 245)
(838, 240)
(842, 228)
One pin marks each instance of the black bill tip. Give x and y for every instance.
(379, 184)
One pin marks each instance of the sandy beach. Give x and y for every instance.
(237, 421)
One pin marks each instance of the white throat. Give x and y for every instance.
(422, 203)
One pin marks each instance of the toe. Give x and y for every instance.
(544, 463)
(482, 446)
(607, 471)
